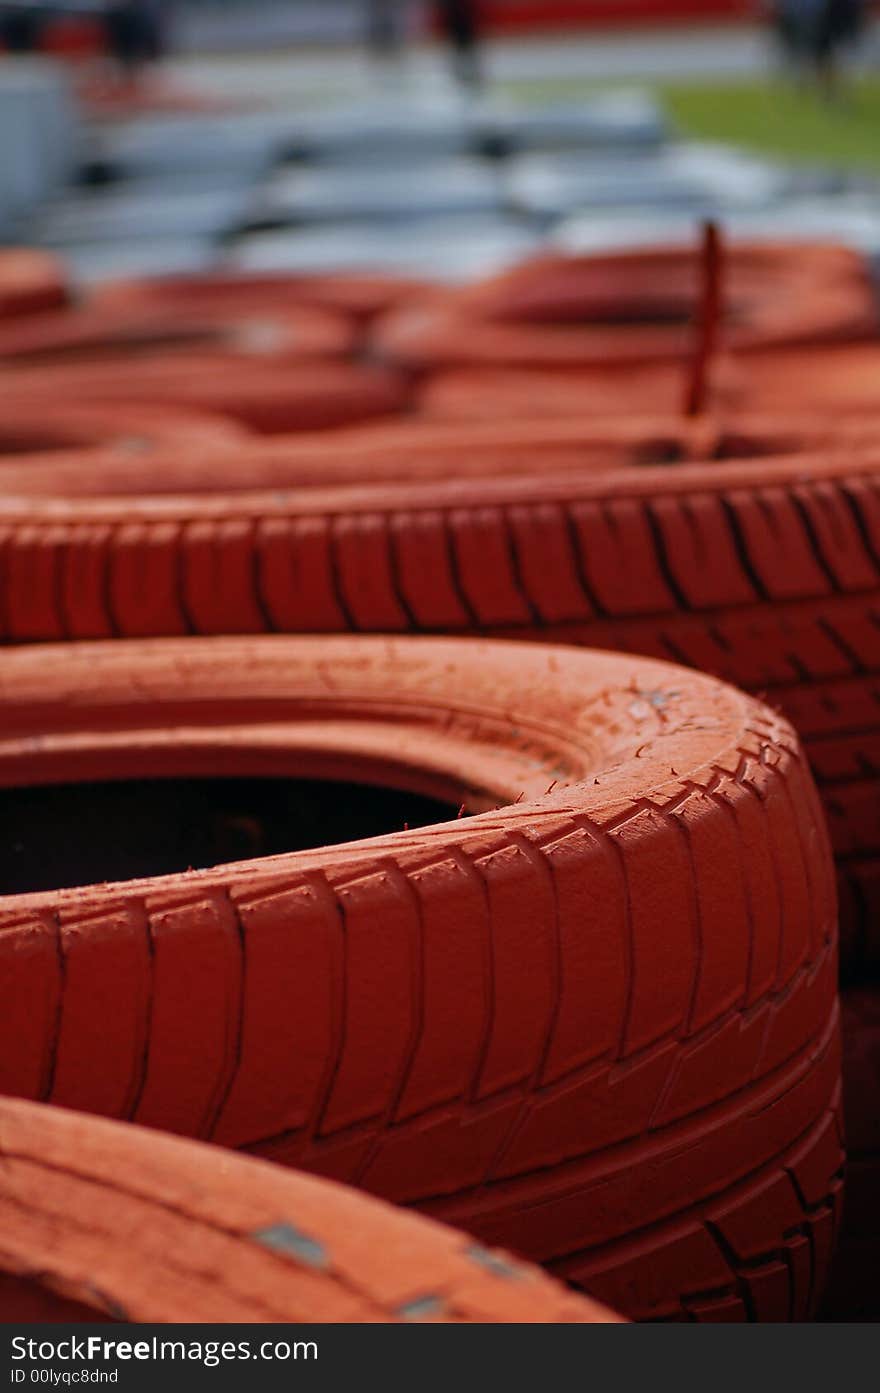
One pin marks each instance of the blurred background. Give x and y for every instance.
(435, 139)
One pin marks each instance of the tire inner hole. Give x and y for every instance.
(58, 836)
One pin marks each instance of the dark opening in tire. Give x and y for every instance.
(58, 836)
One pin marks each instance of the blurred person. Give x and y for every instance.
(384, 28)
(134, 33)
(20, 28)
(461, 23)
(813, 33)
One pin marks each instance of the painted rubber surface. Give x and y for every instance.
(855, 1289)
(268, 397)
(104, 1222)
(30, 281)
(286, 334)
(359, 296)
(396, 450)
(416, 449)
(32, 438)
(521, 1022)
(504, 394)
(843, 378)
(658, 282)
(765, 573)
(633, 307)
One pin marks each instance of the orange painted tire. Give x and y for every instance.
(855, 1287)
(631, 308)
(30, 281)
(659, 282)
(499, 394)
(646, 389)
(270, 398)
(414, 450)
(402, 450)
(841, 379)
(92, 334)
(112, 437)
(763, 572)
(359, 296)
(110, 1223)
(838, 381)
(596, 1023)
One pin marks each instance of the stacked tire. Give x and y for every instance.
(576, 994)
(214, 1239)
(764, 572)
(30, 281)
(275, 361)
(411, 453)
(634, 308)
(519, 1021)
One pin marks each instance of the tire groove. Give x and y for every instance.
(740, 546)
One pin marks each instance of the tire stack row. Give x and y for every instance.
(582, 1004)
